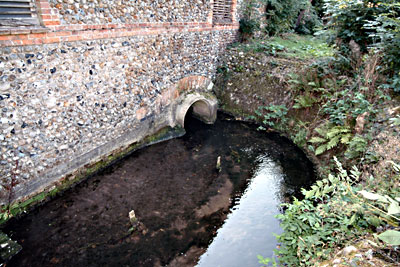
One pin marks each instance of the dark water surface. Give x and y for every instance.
(189, 213)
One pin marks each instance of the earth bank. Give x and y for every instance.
(249, 79)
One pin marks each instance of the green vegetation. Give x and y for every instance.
(344, 210)
(373, 26)
(291, 46)
(278, 17)
(284, 16)
(341, 111)
(336, 211)
(330, 137)
(302, 46)
(273, 116)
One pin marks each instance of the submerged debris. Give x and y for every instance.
(134, 221)
(8, 248)
(218, 167)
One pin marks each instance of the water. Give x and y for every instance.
(248, 230)
(190, 214)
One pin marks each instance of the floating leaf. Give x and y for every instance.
(372, 196)
(390, 237)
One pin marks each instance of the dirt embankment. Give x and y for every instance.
(248, 80)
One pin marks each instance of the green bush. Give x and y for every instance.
(248, 26)
(386, 33)
(273, 116)
(349, 17)
(308, 23)
(333, 212)
(370, 23)
(249, 23)
(282, 15)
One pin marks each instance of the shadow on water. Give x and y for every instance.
(189, 212)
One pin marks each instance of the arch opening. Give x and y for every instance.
(201, 111)
(199, 107)
(198, 111)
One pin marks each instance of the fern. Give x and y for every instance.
(304, 101)
(330, 137)
(357, 147)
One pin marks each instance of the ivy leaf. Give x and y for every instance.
(372, 196)
(308, 194)
(390, 237)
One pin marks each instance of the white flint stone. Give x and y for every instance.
(51, 102)
(348, 250)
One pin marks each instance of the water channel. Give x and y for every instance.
(190, 214)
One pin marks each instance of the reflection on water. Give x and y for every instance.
(248, 230)
(181, 201)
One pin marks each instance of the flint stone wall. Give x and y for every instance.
(124, 11)
(59, 102)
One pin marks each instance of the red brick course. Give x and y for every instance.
(87, 32)
(54, 32)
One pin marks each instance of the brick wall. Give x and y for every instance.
(70, 87)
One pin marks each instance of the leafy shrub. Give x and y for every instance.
(394, 83)
(334, 211)
(356, 147)
(273, 116)
(249, 22)
(304, 101)
(300, 138)
(307, 23)
(282, 15)
(370, 23)
(248, 26)
(386, 33)
(349, 17)
(346, 105)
